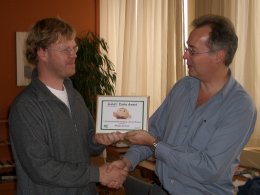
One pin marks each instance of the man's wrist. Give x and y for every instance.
(155, 143)
(127, 162)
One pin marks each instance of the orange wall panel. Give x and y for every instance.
(20, 15)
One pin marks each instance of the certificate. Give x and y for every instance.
(121, 113)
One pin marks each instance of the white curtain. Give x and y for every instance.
(245, 67)
(145, 39)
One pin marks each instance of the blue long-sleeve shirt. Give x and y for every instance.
(200, 146)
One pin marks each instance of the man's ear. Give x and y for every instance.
(220, 57)
(42, 54)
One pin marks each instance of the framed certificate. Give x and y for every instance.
(121, 113)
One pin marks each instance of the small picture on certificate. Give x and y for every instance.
(122, 113)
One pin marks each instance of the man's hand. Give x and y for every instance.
(140, 137)
(112, 176)
(108, 138)
(123, 163)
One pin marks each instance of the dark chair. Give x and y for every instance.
(135, 186)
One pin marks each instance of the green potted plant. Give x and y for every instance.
(95, 74)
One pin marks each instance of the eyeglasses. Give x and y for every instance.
(68, 50)
(192, 52)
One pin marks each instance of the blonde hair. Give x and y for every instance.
(44, 33)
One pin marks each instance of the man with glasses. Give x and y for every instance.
(52, 132)
(198, 132)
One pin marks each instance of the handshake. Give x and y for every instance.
(114, 174)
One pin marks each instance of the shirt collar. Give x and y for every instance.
(195, 84)
(43, 92)
(229, 84)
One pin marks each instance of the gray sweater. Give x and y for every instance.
(52, 144)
